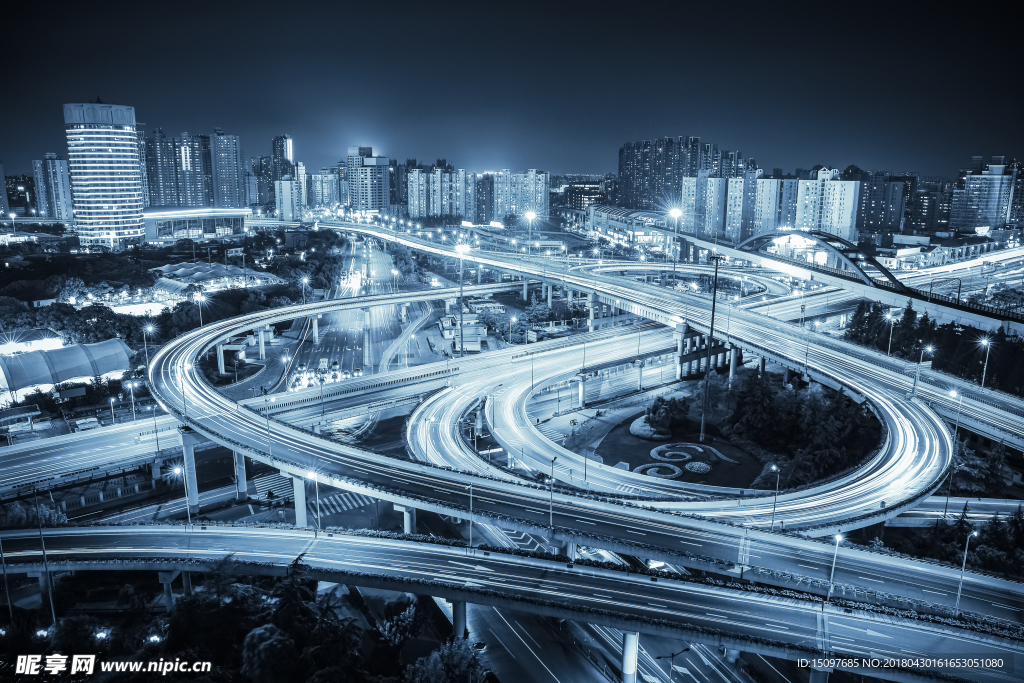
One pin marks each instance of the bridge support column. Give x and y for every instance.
(681, 343)
(241, 485)
(787, 376)
(526, 286)
(582, 392)
(263, 344)
(189, 439)
(479, 274)
(186, 581)
(731, 655)
(408, 518)
(762, 365)
(551, 289)
(167, 578)
(630, 647)
(459, 619)
(157, 468)
(819, 675)
(316, 331)
(595, 301)
(733, 356)
(220, 358)
(299, 489)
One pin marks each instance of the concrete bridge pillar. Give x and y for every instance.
(220, 358)
(241, 485)
(186, 581)
(551, 289)
(762, 365)
(526, 286)
(299, 489)
(479, 274)
(731, 655)
(189, 439)
(681, 343)
(408, 518)
(263, 345)
(630, 647)
(787, 376)
(167, 578)
(459, 619)
(367, 325)
(594, 302)
(733, 356)
(582, 392)
(157, 468)
(316, 330)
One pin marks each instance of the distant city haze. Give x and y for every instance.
(521, 86)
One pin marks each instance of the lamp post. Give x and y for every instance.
(831, 576)
(777, 472)
(462, 249)
(266, 410)
(184, 479)
(988, 347)
(131, 388)
(675, 212)
(917, 375)
(672, 657)
(46, 563)
(717, 258)
(551, 495)
(200, 298)
(316, 481)
(305, 281)
(963, 567)
(510, 321)
(146, 331)
(113, 420)
(529, 216)
(892, 324)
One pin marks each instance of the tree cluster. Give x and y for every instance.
(956, 349)
(819, 435)
(666, 415)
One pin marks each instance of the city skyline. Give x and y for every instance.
(545, 101)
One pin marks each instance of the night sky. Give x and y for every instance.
(517, 85)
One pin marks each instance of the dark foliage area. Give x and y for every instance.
(998, 548)
(666, 415)
(819, 435)
(957, 349)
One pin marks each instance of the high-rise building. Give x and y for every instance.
(162, 178)
(5, 208)
(144, 165)
(281, 157)
(53, 188)
(986, 198)
(579, 196)
(190, 165)
(828, 204)
(368, 180)
(484, 198)
(263, 169)
(881, 201)
(229, 187)
(504, 201)
(106, 179)
(712, 198)
(252, 190)
(289, 199)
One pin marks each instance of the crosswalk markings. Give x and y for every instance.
(339, 502)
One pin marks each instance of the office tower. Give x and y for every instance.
(106, 179)
(263, 169)
(579, 196)
(228, 172)
(53, 188)
(368, 179)
(281, 157)
(484, 198)
(161, 176)
(144, 165)
(191, 170)
(986, 198)
(828, 204)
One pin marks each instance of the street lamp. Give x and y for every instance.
(312, 475)
(147, 330)
(131, 388)
(113, 420)
(530, 216)
(184, 479)
(831, 576)
(672, 657)
(777, 472)
(462, 249)
(675, 212)
(963, 567)
(892, 324)
(988, 347)
(711, 335)
(305, 281)
(201, 298)
(510, 321)
(917, 375)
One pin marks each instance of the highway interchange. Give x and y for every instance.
(911, 465)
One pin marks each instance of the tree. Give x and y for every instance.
(453, 662)
(268, 655)
(667, 415)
